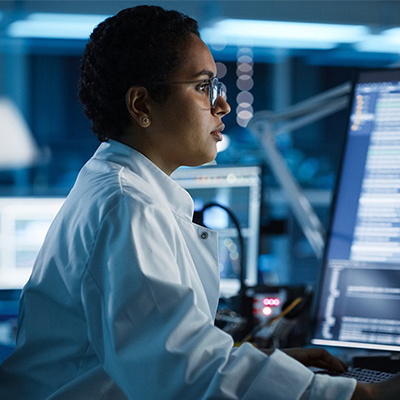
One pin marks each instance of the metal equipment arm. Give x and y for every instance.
(266, 125)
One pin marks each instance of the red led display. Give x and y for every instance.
(271, 302)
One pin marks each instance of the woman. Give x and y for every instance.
(122, 298)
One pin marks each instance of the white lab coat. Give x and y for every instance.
(122, 299)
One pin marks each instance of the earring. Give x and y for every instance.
(145, 121)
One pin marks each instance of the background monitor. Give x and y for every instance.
(24, 222)
(359, 302)
(239, 190)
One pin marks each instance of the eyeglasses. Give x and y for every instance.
(212, 85)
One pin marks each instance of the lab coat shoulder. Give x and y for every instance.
(129, 218)
(136, 235)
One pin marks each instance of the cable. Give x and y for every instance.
(286, 311)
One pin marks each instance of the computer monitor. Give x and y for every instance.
(239, 190)
(24, 222)
(359, 301)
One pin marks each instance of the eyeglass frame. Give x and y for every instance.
(214, 91)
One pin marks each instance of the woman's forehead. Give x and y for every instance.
(198, 62)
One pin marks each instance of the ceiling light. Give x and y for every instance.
(277, 34)
(387, 42)
(55, 26)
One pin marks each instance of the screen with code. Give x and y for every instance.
(359, 300)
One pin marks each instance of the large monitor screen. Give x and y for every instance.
(359, 302)
(239, 190)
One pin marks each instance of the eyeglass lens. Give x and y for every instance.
(215, 91)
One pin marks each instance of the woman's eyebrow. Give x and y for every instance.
(206, 72)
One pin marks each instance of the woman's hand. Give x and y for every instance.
(387, 390)
(314, 358)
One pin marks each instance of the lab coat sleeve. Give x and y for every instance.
(331, 388)
(148, 332)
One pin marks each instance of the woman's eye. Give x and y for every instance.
(204, 87)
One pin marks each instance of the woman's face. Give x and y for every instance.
(185, 129)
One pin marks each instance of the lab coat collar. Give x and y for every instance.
(165, 188)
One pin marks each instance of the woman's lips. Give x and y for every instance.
(218, 133)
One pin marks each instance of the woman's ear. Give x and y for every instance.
(138, 105)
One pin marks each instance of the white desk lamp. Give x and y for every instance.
(18, 148)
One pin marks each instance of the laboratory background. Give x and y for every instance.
(286, 67)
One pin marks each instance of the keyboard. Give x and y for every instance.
(360, 374)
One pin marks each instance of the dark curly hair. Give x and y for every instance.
(141, 45)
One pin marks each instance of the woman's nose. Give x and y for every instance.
(222, 107)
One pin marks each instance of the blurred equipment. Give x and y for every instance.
(269, 316)
(280, 316)
(266, 125)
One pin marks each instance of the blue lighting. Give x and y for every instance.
(277, 34)
(227, 32)
(387, 42)
(55, 26)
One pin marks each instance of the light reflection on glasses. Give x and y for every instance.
(213, 85)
